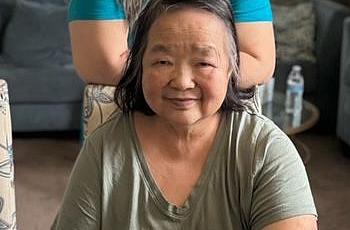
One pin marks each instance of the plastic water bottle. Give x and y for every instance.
(295, 90)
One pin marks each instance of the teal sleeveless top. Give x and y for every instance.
(244, 10)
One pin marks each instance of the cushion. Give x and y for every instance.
(37, 35)
(294, 23)
(42, 85)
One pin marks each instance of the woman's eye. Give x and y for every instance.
(205, 65)
(162, 62)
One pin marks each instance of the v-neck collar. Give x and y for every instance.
(165, 206)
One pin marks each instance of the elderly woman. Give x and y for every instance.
(185, 154)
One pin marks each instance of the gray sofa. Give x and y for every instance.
(321, 77)
(343, 124)
(46, 94)
(35, 60)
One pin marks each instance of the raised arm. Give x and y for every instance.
(257, 46)
(99, 44)
(99, 50)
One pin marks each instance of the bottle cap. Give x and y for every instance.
(296, 67)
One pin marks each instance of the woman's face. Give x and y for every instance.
(186, 66)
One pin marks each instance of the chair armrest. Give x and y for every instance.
(329, 26)
(7, 190)
(329, 29)
(99, 105)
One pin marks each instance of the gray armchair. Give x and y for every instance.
(7, 187)
(343, 122)
(322, 77)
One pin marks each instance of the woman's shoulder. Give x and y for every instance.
(267, 161)
(114, 126)
(255, 129)
(113, 141)
(264, 127)
(253, 119)
(263, 139)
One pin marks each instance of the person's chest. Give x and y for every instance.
(220, 199)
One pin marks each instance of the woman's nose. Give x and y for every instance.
(182, 78)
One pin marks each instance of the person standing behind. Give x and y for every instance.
(99, 32)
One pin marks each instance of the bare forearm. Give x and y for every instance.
(257, 46)
(254, 71)
(101, 71)
(99, 50)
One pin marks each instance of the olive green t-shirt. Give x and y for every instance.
(253, 177)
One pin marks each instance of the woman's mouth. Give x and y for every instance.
(182, 103)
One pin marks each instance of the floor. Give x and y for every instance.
(43, 165)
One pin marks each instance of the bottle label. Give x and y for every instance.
(296, 88)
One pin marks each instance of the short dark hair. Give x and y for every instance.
(129, 94)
